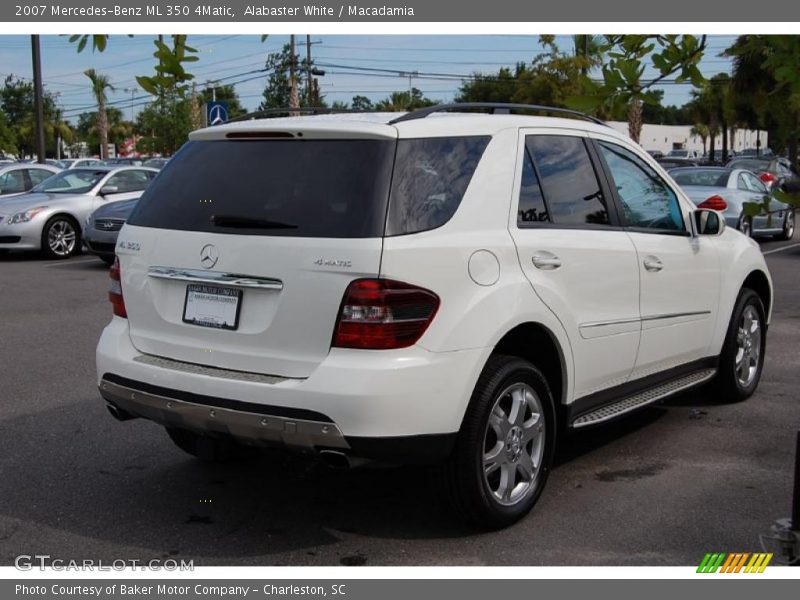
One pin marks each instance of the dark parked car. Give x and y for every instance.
(672, 163)
(775, 172)
(102, 228)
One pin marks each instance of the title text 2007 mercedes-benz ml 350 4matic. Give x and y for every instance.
(443, 286)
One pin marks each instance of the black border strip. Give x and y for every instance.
(238, 405)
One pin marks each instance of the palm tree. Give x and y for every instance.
(700, 130)
(100, 83)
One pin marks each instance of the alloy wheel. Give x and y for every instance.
(748, 343)
(514, 444)
(62, 237)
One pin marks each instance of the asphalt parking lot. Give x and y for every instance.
(662, 487)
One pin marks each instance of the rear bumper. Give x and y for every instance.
(402, 406)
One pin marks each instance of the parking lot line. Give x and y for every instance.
(64, 263)
(781, 249)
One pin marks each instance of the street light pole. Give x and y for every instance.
(38, 95)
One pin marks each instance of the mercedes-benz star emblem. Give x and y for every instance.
(209, 255)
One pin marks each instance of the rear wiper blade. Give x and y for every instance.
(248, 222)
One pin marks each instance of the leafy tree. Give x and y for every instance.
(766, 87)
(550, 79)
(623, 70)
(402, 101)
(17, 104)
(278, 91)
(100, 83)
(361, 103)
(8, 142)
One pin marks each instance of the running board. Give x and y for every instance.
(627, 404)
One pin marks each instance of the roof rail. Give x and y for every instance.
(274, 112)
(498, 108)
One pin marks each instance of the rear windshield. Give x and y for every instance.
(702, 177)
(302, 188)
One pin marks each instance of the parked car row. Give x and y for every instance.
(54, 217)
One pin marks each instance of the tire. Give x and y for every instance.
(480, 496)
(788, 226)
(109, 260)
(206, 448)
(742, 359)
(746, 226)
(61, 237)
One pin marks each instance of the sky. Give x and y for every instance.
(354, 64)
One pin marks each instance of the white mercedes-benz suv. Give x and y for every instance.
(446, 286)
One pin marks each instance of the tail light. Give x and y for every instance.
(115, 291)
(381, 314)
(714, 203)
(767, 178)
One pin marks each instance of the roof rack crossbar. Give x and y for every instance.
(498, 108)
(272, 112)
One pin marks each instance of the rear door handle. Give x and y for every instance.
(653, 264)
(546, 261)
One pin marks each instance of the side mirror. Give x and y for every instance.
(708, 222)
(108, 190)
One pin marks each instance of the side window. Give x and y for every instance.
(647, 201)
(531, 202)
(571, 191)
(38, 175)
(12, 182)
(430, 177)
(742, 184)
(129, 181)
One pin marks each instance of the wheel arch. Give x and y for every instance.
(758, 281)
(537, 344)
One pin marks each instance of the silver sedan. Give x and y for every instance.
(49, 217)
(727, 190)
(18, 178)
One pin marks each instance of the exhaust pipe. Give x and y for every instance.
(334, 459)
(118, 413)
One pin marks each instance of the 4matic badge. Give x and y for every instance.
(331, 262)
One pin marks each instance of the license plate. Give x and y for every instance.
(212, 306)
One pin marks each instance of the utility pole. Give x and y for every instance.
(131, 91)
(294, 99)
(38, 97)
(308, 71)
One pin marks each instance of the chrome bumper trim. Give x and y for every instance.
(253, 428)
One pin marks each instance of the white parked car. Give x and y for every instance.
(451, 288)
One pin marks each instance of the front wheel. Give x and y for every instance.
(742, 357)
(505, 447)
(60, 237)
(788, 226)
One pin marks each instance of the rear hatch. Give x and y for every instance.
(239, 253)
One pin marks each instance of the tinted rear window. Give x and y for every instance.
(430, 178)
(751, 164)
(302, 188)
